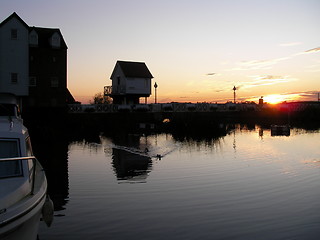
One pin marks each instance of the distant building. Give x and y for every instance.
(33, 64)
(130, 82)
(261, 101)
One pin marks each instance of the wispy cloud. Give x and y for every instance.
(220, 89)
(262, 80)
(258, 64)
(291, 96)
(313, 50)
(309, 51)
(268, 63)
(313, 68)
(307, 94)
(290, 44)
(256, 81)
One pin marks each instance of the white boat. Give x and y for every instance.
(23, 184)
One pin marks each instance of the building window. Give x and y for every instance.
(54, 59)
(33, 39)
(118, 79)
(14, 78)
(54, 82)
(14, 33)
(55, 40)
(32, 81)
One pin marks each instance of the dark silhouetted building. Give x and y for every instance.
(130, 81)
(33, 64)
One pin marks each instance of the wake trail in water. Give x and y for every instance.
(152, 152)
(131, 150)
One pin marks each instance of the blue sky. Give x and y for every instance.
(196, 50)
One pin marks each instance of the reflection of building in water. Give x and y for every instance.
(53, 155)
(234, 145)
(261, 132)
(131, 158)
(130, 166)
(280, 130)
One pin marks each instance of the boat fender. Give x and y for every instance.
(47, 211)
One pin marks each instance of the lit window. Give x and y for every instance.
(14, 78)
(14, 33)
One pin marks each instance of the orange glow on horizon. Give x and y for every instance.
(268, 98)
(274, 98)
(278, 98)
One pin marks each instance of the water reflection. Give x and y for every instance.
(133, 155)
(200, 181)
(280, 130)
(261, 133)
(130, 159)
(129, 166)
(52, 153)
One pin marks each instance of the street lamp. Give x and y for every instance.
(155, 92)
(234, 94)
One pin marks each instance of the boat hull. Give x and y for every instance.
(21, 220)
(26, 227)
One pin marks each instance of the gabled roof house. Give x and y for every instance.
(130, 82)
(33, 64)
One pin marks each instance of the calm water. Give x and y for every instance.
(245, 185)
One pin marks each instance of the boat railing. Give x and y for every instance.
(34, 164)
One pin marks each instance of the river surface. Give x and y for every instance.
(245, 184)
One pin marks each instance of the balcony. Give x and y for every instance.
(114, 90)
(107, 90)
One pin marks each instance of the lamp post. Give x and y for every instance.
(234, 94)
(155, 92)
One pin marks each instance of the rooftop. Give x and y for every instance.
(134, 69)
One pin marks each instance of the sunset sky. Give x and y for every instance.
(197, 50)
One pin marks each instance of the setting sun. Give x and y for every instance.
(278, 98)
(275, 98)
